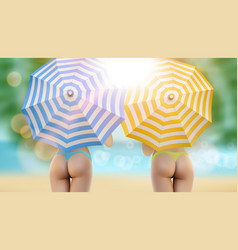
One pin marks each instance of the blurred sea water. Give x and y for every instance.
(125, 157)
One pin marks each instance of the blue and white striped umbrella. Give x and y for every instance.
(70, 103)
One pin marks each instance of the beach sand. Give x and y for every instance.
(108, 184)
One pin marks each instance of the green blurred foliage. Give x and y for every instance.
(220, 72)
(12, 98)
(222, 75)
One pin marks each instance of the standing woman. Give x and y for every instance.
(171, 170)
(168, 112)
(71, 104)
(72, 171)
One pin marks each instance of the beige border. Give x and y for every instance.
(118, 29)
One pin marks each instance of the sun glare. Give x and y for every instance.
(128, 72)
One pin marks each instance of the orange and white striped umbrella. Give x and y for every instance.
(171, 108)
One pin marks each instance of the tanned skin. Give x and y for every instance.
(168, 175)
(74, 175)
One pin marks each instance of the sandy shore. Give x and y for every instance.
(114, 184)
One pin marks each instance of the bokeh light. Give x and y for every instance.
(17, 122)
(44, 151)
(101, 157)
(14, 79)
(25, 131)
(123, 162)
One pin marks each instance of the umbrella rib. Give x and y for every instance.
(148, 118)
(195, 113)
(43, 101)
(159, 133)
(52, 117)
(101, 109)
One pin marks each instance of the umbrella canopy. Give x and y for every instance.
(171, 108)
(70, 103)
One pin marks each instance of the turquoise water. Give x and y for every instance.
(124, 158)
(128, 158)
